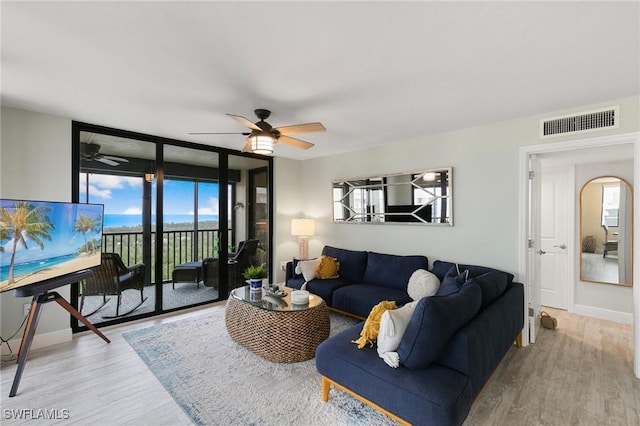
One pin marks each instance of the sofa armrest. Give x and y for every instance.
(477, 348)
(288, 271)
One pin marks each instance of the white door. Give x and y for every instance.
(534, 251)
(554, 231)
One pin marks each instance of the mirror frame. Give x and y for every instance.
(412, 217)
(629, 244)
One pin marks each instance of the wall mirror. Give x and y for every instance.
(423, 198)
(606, 231)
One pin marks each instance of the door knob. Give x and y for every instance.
(562, 246)
(541, 252)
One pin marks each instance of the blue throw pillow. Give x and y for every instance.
(452, 281)
(434, 321)
(492, 284)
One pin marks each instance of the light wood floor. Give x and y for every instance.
(580, 373)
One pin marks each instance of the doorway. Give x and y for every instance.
(556, 220)
(529, 245)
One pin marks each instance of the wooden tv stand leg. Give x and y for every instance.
(519, 340)
(32, 324)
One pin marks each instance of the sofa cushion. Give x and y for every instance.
(452, 281)
(294, 263)
(492, 285)
(440, 268)
(352, 263)
(308, 268)
(325, 288)
(328, 268)
(434, 321)
(388, 270)
(358, 299)
(371, 326)
(296, 283)
(393, 324)
(422, 283)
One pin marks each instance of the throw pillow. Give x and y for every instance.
(393, 324)
(371, 326)
(452, 281)
(492, 284)
(422, 283)
(308, 268)
(328, 268)
(434, 321)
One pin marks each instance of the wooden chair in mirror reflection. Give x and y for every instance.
(608, 245)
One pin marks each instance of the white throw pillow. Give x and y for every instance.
(422, 283)
(308, 268)
(393, 324)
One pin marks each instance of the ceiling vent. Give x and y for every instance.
(584, 122)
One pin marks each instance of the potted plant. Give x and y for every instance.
(255, 275)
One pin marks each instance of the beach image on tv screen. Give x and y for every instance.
(40, 240)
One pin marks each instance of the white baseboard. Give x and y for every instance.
(605, 314)
(39, 341)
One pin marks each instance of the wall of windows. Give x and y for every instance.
(178, 208)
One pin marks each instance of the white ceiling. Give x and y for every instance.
(373, 73)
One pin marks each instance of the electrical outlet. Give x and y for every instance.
(26, 308)
(283, 266)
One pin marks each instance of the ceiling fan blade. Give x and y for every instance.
(294, 142)
(246, 147)
(301, 128)
(107, 161)
(244, 121)
(110, 157)
(218, 133)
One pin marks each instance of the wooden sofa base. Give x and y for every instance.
(347, 314)
(326, 386)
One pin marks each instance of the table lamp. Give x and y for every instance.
(303, 229)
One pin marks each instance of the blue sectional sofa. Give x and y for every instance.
(365, 279)
(452, 344)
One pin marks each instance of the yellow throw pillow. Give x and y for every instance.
(328, 268)
(371, 327)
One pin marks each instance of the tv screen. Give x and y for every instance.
(41, 240)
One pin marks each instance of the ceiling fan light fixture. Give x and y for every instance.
(261, 143)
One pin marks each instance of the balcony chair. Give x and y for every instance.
(111, 278)
(210, 268)
(242, 259)
(608, 245)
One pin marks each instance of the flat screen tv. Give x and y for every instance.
(42, 240)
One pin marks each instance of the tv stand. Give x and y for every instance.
(41, 294)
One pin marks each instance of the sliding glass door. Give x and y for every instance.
(191, 227)
(195, 217)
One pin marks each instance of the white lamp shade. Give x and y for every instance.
(303, 227)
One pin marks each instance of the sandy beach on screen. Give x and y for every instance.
(78, 264)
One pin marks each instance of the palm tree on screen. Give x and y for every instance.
(86, 224)
(24, 221)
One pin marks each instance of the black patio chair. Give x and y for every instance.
(210, 267)
(111, 278)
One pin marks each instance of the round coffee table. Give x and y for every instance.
(275, 328)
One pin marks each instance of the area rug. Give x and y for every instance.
(218, 382)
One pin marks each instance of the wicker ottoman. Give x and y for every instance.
(275, 329)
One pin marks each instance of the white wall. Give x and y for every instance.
(485, 190)
(35, 164)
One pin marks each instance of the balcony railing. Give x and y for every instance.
(177, 246)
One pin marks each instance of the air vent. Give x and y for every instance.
(584, 122)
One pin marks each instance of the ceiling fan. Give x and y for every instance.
(263, 136)
(91, 152)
